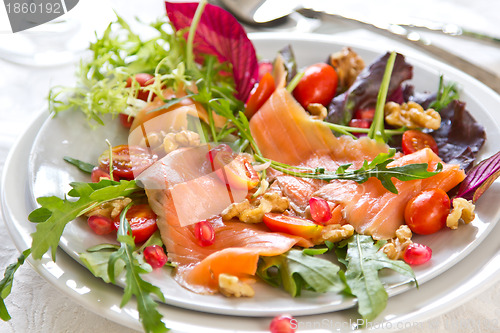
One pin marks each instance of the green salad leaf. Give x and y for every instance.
(295, 271)
(83, 166)
(135, 285)
(364, 261)
(7, 281)
(55, 213)
(96, 259)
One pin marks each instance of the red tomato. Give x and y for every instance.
(142, 221)
(426, 212)
(155, 256)
(414, 140)
(318, 85)
(143, 79)
(259, 95)
(292, 225)
(126, 120)
(234, 170)
(101, 225)
(128, 161)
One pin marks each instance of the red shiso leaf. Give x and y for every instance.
(479, 178)
(220, 34)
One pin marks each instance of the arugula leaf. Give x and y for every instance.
(7, 281)
(364, 261)
(96, 259)
(135, 285)
(55, 213)
(376, 168)
(297, 271)
(83, 166)
(445, 95)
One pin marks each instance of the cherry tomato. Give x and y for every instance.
(417, 254)
(144, 80)
(211, 154)
(292, 225)
(142, 221)
(234, 170)
(259, 95)
(155, 256)
(426, 213)
(101, 225)
(126, 120)
(284, 323)
(318, 85)
(205, 233)
(414, 140)
(128, 161)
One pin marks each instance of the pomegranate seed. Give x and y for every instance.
(360, 123)
(417, 254)
(283, 324)
(320, 210)
(101, 225)
(155, 256)
(204, 232)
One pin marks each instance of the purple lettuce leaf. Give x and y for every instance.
(460, 136)
(363, 92)
(480, 178)
(220, 34)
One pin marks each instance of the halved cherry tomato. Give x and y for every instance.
(318, 85)
(144, 80)
(292, 225)
(142, 221)
(426, 213)
(414, 140)
(126, 120)
(259, 94)
(234, 170)
(128, 161)
(211, 154)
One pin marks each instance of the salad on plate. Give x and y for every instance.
(239, 171)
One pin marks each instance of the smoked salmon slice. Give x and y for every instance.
(186, 173)
(284, 132)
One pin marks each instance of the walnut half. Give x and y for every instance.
(462, 209)
(348, 64)
(231, 286)
(395, 247)
(110, 209)
(245, 212)
(334, 233)
(411, 115)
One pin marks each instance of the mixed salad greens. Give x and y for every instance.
(203, 51)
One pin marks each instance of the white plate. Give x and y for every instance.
(76, 281)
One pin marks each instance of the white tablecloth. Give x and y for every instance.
(36, 306)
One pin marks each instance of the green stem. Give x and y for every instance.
(294, 82)
(348, 130)
(376, 131)
(192, 32)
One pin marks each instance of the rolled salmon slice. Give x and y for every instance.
(202, 196)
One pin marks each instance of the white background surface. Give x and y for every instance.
(36, 306)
